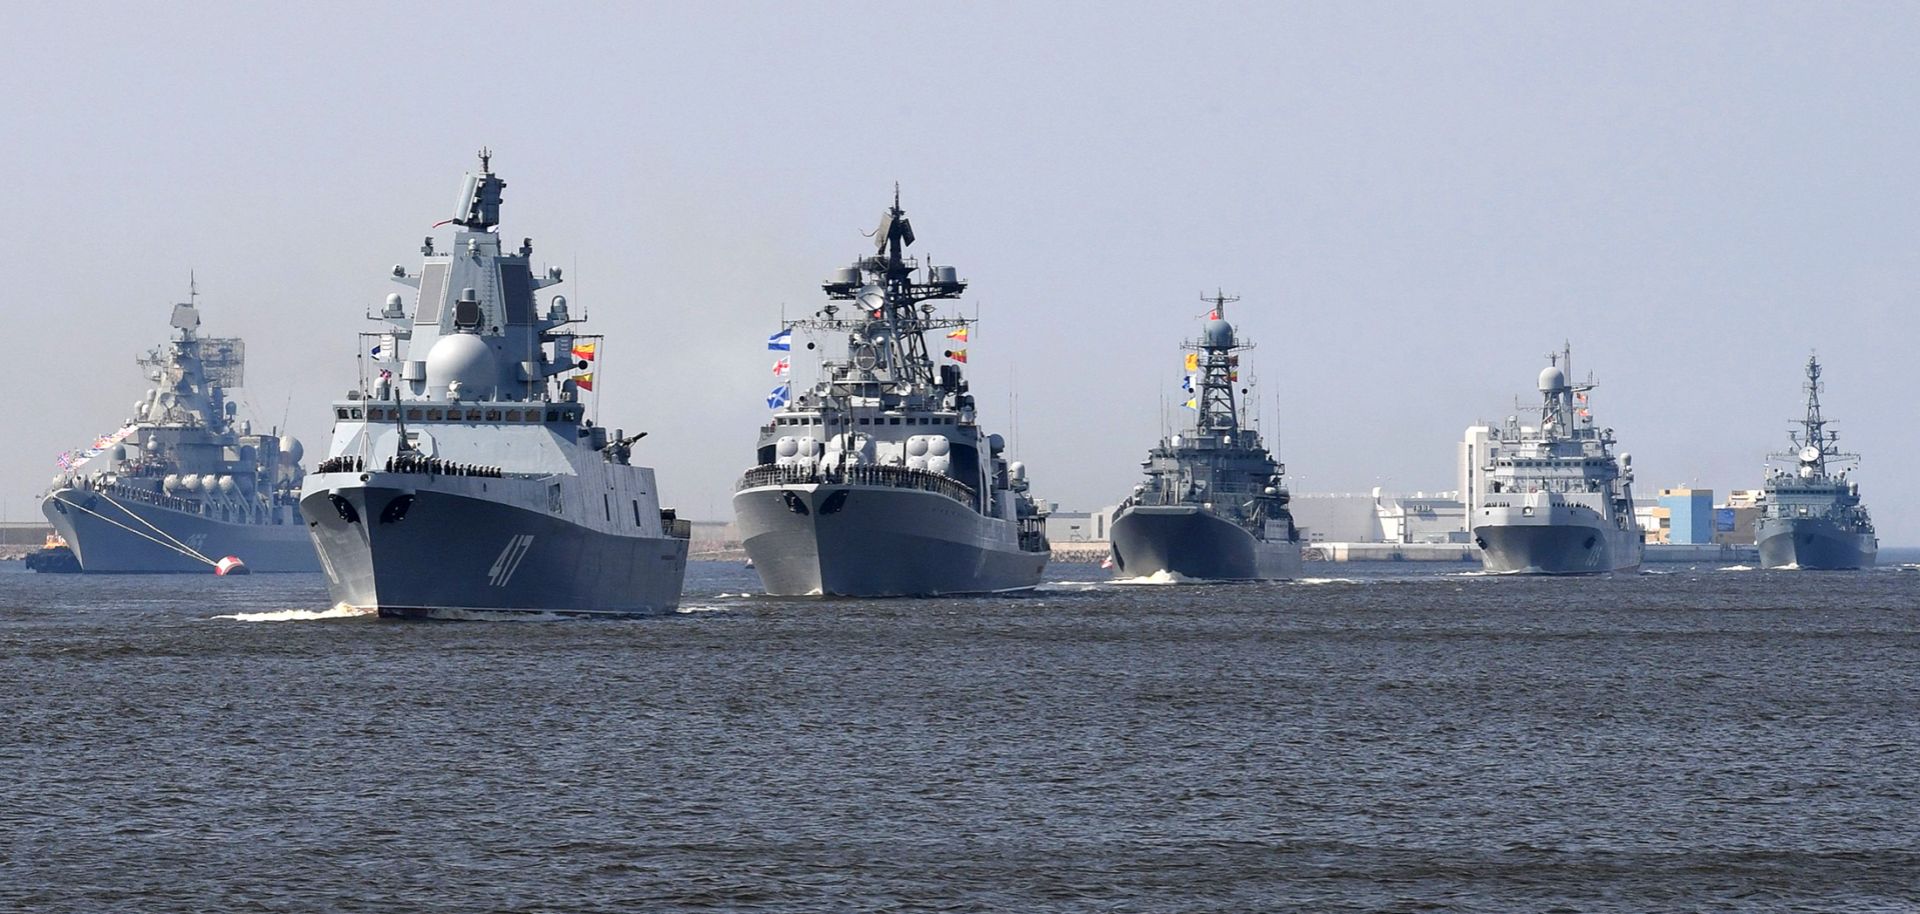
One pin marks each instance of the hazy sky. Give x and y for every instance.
(1415, 202)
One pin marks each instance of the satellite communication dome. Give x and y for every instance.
(291, 450)
(1552, 378)
(461, 358)
(1809, 453)
(1219, 334)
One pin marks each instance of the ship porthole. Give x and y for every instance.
(1591, 541)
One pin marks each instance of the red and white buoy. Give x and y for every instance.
(230, 565)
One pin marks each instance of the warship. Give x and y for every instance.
(879, 480)
(1214, 505)
(1811, 517)
(1558, 501)
(185, 483)
(465, 470)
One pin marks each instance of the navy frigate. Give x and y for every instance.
(185, 482)
(1811, 516)
(1214, 505)
(879, 481)
(1558, 500)
(465, 475)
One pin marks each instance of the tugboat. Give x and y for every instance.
(55, 557)
(1214, 506)
(1558, 501)
(1812, 517)
(880, 481)
(185, 481)
(468, 479)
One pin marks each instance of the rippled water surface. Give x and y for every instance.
(1389, 738)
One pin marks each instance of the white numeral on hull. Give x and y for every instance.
(509, 560)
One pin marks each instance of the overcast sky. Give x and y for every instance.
(1415, 203)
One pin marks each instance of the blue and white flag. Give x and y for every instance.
(1186, 383)
(782, 340)
(779, 397)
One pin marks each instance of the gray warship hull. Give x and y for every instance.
(877, 541)
(1188, 541)
(1813, 543)
(1556, 544)
(126, 536)
(457, 554)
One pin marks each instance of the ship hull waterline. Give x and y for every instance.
(1814, 544)
(877, 541)
(1188, 541)
(119, 536)
(452, 555)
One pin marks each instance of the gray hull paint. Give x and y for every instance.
(456, 556)
(104, 548)
(880, 542)
(1556, 549)
(1813, 543)
(1192, 543)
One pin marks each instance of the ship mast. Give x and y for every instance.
(1215, 362)
(1814, 446)
(895, 310)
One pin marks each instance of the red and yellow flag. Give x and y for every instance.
(584, 380)
(583, 352)
(957, 333)
(958, 355)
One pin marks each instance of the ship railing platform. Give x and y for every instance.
(863, 475)
(240, 510)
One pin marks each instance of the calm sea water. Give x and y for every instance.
(1395, 738)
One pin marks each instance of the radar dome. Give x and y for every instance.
(291, 450)
(1552, 378)
(1219, 333)
(464, 359)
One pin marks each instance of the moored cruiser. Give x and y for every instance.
(1214, 506)
(879, 481)
(185, 482)
(1558, 501)
(464, 475)
(1811, 516)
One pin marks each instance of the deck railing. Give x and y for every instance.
(862, 475)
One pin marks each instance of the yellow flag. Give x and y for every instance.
(1193, 361)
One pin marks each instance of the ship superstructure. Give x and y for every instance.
(1214, 503)
(1558, 500)
(465, 473)
(185, 481)
(879, 480)
(1811, 515)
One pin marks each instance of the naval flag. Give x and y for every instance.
(779, 396)
(783, 366)
(1186, 383)
(782, 341)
